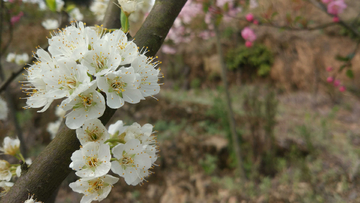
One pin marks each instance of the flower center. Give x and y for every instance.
(93, 134)
(100, 62)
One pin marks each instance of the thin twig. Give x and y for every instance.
(235, 139)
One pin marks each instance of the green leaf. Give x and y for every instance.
(342, 67)
(70, 7)
(51, 4)
(350, 73)
(297, 18)
(342, 58)
(274, 14)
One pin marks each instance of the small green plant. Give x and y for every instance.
(195, 83)
(257, 59)
(209, 163)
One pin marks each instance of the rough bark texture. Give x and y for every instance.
(51, 167)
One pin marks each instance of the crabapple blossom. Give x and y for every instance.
(329, 69)
(248, 34)
(248, 44)
(330, 79)
(249, 17)
(116, 128)
(92, 160)
(342, 88)
(92, 131)
(16, 18)
(336, 7)
(10, 146)
(337, 83)
(31, 200)
(53, 128)
(94, 188)
(336, 19)
(98, 8)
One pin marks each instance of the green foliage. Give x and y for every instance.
(195, 83)
(209, 164)
(258, 57)
(51, 5)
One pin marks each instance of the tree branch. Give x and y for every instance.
(51, 167)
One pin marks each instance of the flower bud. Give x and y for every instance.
(330, 79)
(249, 17)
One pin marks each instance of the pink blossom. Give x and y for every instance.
(342, 88)
(248, 44)
(16, 18)
(336, 7)
(256, 22)
(166, 49)
(326, 1)
(329, 69)
(249, 17)
(248, 34)
(205, 35)
(330, 79)
(336, 83)
(336, 19)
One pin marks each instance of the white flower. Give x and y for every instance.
(92, 160)
(5, 173)
(59, 5)
(85, 106)
(10, 146)
(31, 200)
(99, 8)
(101, 59)
(149, 75)
(116, 129)
(66, 78)
(3, 109)
(50, 24)
(60, 112)
(21, 59)
(6, 187)
(132, 162)
(75, 14)
(11, 57)
(71, 42)
(128, 6)
(127, 49)
(92, 131)
(53, 128)
(142, 133)
(120, 86)
(94, 188)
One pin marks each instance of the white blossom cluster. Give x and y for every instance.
(128, 151)
(84, 61)
(10, 171)
(89, 68)
(98, 8)
(19, 59)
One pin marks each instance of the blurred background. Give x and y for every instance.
(295, 99)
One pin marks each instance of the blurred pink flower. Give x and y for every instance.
(16, 18)
(326, 1)
(248, 44)
(329, 69)
(248, 34)
(166, 49)
(249, 17)
(336, 7)
(336, 19)
(342, 89)
(256, 22)
(336, 83)
(330, 79)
